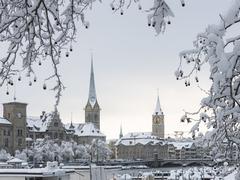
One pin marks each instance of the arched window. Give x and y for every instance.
(96, 117)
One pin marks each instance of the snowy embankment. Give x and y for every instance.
(195, 173)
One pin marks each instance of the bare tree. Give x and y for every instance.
(36, 31)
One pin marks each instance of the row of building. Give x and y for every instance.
(145, 146)
(18, 131)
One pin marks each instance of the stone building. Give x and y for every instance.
(141, 145)
(13, 126)
(152, 145)
(182, 150)
(18, 131)
(144, 145)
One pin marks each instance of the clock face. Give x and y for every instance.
(92, 98)
(19, 115)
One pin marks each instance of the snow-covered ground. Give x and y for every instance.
(193, 173)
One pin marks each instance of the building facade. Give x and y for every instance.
(152, 145)
(13, 126)
(142, 146)
(18, 131)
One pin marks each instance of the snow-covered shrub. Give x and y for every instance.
(4, 156)
(99, 150)
(21, 155)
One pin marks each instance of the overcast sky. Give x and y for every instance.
(130, 64)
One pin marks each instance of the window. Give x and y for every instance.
(50, 134)
(19, 132)
(8, 115)
(9, 133)
(61, 135)
(6, 142)
(55, 135)
(4, 132)
(19, 142)
(55, 124)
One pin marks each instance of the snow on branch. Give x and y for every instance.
(37, 31)
(220, 110)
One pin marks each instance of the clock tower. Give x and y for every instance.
(158, 121)
(92, 109)
(16, 113)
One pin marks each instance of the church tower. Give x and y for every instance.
(158, 121)
(92, 109)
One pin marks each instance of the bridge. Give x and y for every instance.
(160, 162)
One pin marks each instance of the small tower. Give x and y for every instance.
(158, 121)
(121, 133)
(92, 109)
(16, 113)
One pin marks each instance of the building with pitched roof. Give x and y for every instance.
(18, 131)
(144, 145)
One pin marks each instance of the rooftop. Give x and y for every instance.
(4, 121)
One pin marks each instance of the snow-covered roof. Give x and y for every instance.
(35, 172)
(4, 121)
(85, 129)
(142, 138)
(41, 124)
(179, 145)
(158, 110)
(38, 124)
(88, 129)
(15, 160)
(29, 139)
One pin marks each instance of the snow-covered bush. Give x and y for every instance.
(4, 156)
(21, 155)
(80, 151)
(99, 150)
(219, 47)
(48, 150)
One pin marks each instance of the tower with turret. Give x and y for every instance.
(158, 121)
(92, 109)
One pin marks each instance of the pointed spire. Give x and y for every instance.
(71, 125)
(92, 97)
(158, 110)
(121, 133)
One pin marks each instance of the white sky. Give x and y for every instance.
(130, 63)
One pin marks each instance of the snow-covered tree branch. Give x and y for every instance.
(42, 31)
(219, 47)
